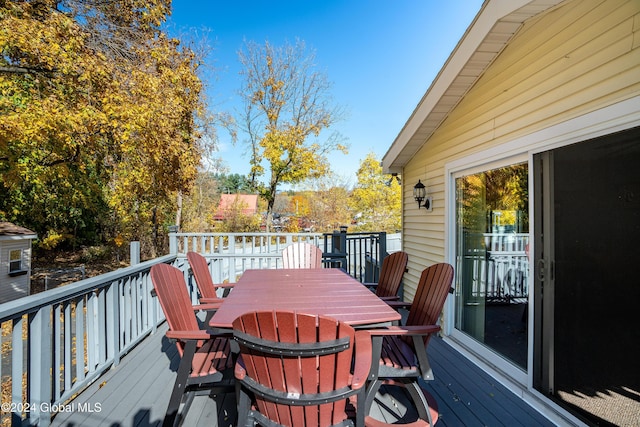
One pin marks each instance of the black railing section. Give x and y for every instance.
(359, 254)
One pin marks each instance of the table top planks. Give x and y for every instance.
(324, 291)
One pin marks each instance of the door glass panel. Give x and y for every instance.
(492, 239)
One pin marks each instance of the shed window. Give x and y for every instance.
(15, 260)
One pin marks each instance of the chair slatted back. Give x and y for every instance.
(278, 351)
(302, 255)
(391, 273)
(433, 287)
(171, 289)
(202, 275)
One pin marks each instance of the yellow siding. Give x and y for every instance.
(577, 58)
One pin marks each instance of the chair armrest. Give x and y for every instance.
(363, 357)
(398, 304)
(390, 298)
(188, 335)
(200, 334)
(206, 307)
(224, 285)
(207, 300)
(406, 330)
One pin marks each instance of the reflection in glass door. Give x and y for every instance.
(492, 238)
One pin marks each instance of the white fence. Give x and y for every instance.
(230, 254)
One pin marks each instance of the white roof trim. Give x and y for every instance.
(493, 27)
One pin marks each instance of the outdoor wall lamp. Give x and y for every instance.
(420, 194)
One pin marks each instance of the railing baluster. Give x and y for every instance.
(67, 346)
(135, 306)
(80, 340)
(101, 314)
(126, 291)
(57, 360)
(40, 335)
(112, 323)
(17, 356)
(92, 331)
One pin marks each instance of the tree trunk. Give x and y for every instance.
(179, 209)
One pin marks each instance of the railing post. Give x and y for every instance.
(173, 240)
(134, 253)
(339, 247)
(382, 243)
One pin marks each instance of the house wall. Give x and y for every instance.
(17, 286)
(575, 59)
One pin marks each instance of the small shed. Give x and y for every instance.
(15, 261)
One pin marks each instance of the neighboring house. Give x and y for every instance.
(247, 203)
(528, 143)
(15, 261)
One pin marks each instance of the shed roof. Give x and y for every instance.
(9, 230)
(493, 27)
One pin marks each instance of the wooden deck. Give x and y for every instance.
(136, 393)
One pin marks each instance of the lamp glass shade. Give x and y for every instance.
(419, 191)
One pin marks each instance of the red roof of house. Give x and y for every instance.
(249, 203)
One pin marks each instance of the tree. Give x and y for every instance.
(101, 117)
(233, 183)
(287, 108)
(328, 203)
(376, 198)
(199, 204)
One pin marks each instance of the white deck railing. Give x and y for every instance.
(57, 342)
(230, 254)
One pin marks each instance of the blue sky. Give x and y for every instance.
(380, 55)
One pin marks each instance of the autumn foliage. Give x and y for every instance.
(99, 118)
(287, 108)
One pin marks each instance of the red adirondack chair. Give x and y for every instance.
(302, 255)
(393, 268)
(402, 349)
(205, 358)
(300, 369)
(202, 276)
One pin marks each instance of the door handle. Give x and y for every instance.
(540, 266)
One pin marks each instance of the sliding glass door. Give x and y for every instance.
(492, 239)
(586, 287)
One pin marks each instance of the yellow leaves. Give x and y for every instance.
(78, 115)
(376, 196)
(52, 239)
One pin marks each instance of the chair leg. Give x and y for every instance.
(361, 408)
(171, 417)
(244, 407)
(419, 400)
(372, 389)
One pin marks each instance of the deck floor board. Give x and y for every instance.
(136, 393)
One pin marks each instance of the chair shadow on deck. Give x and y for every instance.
(169, 349)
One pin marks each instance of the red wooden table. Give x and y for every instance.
(326, 291)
